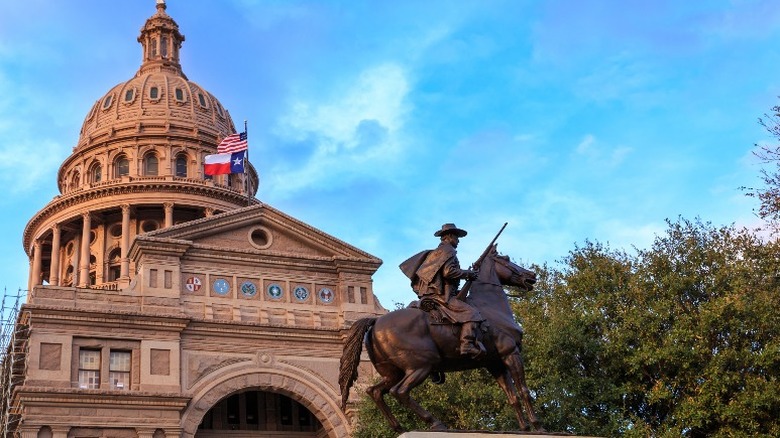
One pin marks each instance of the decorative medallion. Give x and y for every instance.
(275, 291)
(221, 286)
(193, 284)
(248, 289)
(301, 293)
(326, 295)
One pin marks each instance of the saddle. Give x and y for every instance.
(431, 307)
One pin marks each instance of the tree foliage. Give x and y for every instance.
(680, 339)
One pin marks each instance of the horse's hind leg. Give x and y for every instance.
(377, 393)
(401, 392)
(501, 374)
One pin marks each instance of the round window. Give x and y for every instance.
(115, 230)
(260, 237)
(148, 226)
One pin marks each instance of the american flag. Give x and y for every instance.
(233, 143)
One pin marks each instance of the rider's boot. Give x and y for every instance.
(469, 346)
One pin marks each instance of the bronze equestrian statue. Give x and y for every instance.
(408, 345)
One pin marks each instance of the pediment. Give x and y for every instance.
(260, 229)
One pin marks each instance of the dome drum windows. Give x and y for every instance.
(121, 166)
(96, 173)
(202, 101)
(180, 166)
(151, 165)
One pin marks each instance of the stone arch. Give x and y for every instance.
(303, 387)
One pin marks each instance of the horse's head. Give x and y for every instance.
(510, 274)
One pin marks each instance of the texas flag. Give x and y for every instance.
(221, 164)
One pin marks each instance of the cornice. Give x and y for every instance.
(72, 397)
(157, 321)
(232, 329)
(132, 185)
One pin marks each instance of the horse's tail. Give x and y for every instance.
(350, 358)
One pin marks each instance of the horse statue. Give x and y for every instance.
(408, 345)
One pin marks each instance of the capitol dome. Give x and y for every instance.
(137, 166)
(159, 96)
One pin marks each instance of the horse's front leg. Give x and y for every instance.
(401, 392)
(514, 364)
(504, 380)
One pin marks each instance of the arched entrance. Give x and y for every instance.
(255, 413)
(305, 391)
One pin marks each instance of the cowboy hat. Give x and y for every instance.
(450, 228)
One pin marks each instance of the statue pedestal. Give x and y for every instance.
(478, 434)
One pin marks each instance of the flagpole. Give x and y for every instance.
(246, 162)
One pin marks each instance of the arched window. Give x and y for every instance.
(121, 166)
(151, 165)
(97, 173)
(75, 181)
(154, 48)
(154, 93)
(181, 165)
(164, 47)
(114, 265)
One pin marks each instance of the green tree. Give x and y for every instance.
(677, 340)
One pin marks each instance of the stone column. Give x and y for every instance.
(84, 256)
(124, 270)
(75, 261)
(35, 278)
(168, 206)
(54, 269)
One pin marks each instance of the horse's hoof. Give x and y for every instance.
(438, 426)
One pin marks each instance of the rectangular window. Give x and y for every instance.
(119, 369)
(89, 369)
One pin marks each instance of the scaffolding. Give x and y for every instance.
(14, 346)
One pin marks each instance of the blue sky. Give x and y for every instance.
(378, 121)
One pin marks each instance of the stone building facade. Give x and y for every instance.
(163, 303)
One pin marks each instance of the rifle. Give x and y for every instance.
(463, 292)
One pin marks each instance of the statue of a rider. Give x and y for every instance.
(436, 275)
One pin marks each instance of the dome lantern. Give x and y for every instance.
(161, 41)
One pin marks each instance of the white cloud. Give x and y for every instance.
(586, 145)
(356, 133)
(601, 156)
(24, 165)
